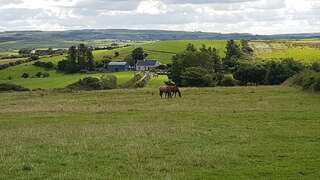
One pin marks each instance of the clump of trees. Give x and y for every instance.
(137, 54)
(37, 75)
(195, 67)
(203, 67)
(79, 58)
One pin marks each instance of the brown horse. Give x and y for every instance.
(166, 90)
(175, 90)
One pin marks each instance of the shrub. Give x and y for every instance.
(25, 75)
(229, 81)
(109, 82)
(88, 83)
(196, 76)
(34, 57)
(47, 65)
(279, 72)
(12, 87)
(45, 75)
(39, 74)
(308, 80)
(250, 73)
(315, 67)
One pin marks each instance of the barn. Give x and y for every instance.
(118, 66)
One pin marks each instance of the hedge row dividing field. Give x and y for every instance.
(210, 133)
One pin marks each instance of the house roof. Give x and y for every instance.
(118, 64)
(147, 63)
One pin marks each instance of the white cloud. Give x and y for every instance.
(252, 16)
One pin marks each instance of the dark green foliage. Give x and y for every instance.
(34, 57)
(12, 87)
(129, 60)
(39, 74)
(233, 55)
(278, 72)
(251, 73)
(138, 54)
(245, 48)
(47, 65)
(79, 58)
(25, 51)
(25, 75)
(197, 77)
(205, 60)
(45, 75)
(315, 67)
(88, 83)
(308, 80)
(116, 54)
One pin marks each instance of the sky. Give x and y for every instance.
(225, 16)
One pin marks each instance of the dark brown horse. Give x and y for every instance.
(166, 91)
(175, 90)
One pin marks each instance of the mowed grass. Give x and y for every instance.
(161, 50)
(304, 51)
(211, 133)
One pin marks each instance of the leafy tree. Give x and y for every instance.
(233, 54)
(138, 54)
(90, 61)
(116, 54)
(129, 60)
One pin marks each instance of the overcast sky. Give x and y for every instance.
(226, 16)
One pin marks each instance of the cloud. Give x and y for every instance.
(247, 16)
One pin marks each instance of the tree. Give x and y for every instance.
(129, 60)
(233, 54)
(137, 55)
(204, 58)
(116, 54)
(90, 61)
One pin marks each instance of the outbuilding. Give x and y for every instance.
(118, 66)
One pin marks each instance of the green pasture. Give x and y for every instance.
(161, 50)
(210, 133)
(59, 80)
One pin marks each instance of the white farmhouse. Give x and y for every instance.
(146, 65)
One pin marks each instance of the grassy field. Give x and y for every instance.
(211, 133)
(307, 51)
(161, 50)
(59, 80)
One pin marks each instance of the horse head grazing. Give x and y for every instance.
(165, 90)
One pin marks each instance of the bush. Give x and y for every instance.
(109, 82)
(88, 83)
(25, 75)
(279, 72)
(229, 81)
(12, 87)
(196, 76)
(45, 75)
(308, 80)
(39, 74)
(250, 73)
(315, 67)
(47, 65)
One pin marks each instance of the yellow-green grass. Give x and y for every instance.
(161, 50)
(7, 61)
(210, 133)
(304, 51)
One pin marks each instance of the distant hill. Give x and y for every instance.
(19, 39)
(123, 34)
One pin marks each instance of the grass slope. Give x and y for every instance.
(161, 50)
(269, 133)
